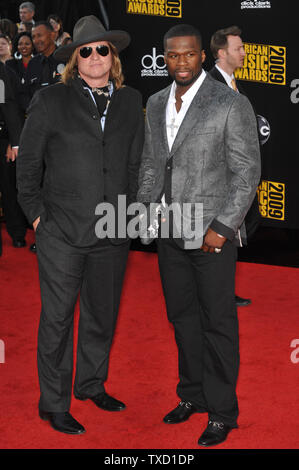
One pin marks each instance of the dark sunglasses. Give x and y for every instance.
(87, 51)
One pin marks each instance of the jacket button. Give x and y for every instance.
(94, 116)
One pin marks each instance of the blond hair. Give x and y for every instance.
(71, 68)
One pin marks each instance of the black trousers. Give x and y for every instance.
(199, 292)
(97, 275)
(16, 223)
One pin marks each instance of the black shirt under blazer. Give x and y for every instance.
(63, 148)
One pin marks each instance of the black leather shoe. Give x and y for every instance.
(19, 242)
(181, 413)
(105, 402)
(214, 434)
(240, 302)
(33, 248)
(63, 422)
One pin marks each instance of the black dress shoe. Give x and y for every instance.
(214, 434)
(181, 413)
(105, 402)
(33, 248)
(63, 422)
(240, 302)
(19, 242)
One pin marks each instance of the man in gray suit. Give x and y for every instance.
(201, 147)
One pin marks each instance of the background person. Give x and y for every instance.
(10, 130)
(24, 49)
(25, 26)
(8, 28)
(27, 12)
(228, 50)
(5, 48)
(60, 35)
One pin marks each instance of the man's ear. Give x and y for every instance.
(221, 53)
(203, 56)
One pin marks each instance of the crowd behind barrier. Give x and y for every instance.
(26, 65)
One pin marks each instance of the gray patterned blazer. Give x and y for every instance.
(216, 157)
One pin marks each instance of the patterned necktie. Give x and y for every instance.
(102, 97)
(234, 85)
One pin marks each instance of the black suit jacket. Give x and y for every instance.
(63, 148)
(10, 113)
(42, 71)
(214, 72)
(22, 88)
(253, 217)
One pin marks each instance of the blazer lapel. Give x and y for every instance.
(86, 100)
(160, 112)
(194, 114)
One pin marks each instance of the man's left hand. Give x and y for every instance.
(211, 241)
(11, 153)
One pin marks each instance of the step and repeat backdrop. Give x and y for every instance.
(270, 76)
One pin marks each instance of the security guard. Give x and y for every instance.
(43, 69)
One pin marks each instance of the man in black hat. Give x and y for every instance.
(82, 143)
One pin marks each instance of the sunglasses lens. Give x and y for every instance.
(103, 50)
(85, 52)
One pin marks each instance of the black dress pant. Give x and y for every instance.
(97, 275)
(199, 292)
(16, 223)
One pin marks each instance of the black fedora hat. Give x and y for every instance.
(89, 29)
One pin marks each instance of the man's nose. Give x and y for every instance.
(182, 59)
(94, 55)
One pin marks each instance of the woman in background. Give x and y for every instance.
(24, 49)
(61, 35)
(8, 28)
(5, 48)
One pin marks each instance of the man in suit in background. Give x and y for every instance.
(75, 154)
(27, 12)
(10, 130)
(201, 147)
(228, 50)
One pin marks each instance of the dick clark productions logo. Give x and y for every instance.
(153, 65)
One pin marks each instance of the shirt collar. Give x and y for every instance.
(228, 78)
(87, 87)
(189, 95)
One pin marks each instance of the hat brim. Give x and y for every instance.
(120, 39)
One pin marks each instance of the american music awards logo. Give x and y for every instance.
(263, 63)
(166, 8)
(153, 65)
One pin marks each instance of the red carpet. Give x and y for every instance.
(143, 366)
